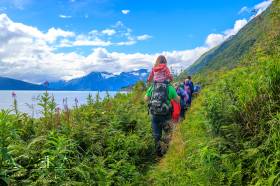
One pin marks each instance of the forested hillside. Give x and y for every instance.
(235, 49)
(231, 135)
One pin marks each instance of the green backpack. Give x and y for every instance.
(158, 102)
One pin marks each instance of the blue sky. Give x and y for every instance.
(114, 35)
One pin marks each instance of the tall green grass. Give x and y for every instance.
(240, 117)
(243, 110)
(231, 134)
(105, 142)
(190, 159)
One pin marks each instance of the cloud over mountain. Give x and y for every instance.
(29, 54)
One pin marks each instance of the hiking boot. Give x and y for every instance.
(158, 149)
(164, 148)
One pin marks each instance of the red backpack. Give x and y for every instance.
(176, 110)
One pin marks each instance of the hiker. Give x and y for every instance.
(160, 72)
(189, 89)
(196, 90)
(183, 98)
(159, 96)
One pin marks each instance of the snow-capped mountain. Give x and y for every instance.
(101, 81)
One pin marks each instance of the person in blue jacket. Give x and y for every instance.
(188, 83)
(183, 97)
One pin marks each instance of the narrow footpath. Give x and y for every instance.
(182, 164)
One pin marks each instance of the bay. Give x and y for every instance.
(27, 101)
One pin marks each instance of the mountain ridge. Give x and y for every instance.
(94, 81)
(13, 84)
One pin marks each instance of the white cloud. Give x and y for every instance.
(27, 53)
(22, 30)
(144, 37)
(118, 24)
(109, 32)
(262, 7)
(54, 33)
(214, 40)
(244, 9)
(125, 12)
(65, 16)
(126, 43)
(117, 35)
(238, 25)
(95, 42)
(257, 9)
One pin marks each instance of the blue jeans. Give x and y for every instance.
(159, 123)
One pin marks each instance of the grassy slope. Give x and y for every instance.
(231, 135)
(230, 53)
(182, 164)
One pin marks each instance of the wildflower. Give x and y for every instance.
(76, 102)
(57, 109)
(65, 104)
(14, 95)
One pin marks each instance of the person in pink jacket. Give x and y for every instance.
(160, 72)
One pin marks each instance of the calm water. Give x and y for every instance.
(27, 100)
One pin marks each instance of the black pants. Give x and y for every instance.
(159, 124)
(183, 112)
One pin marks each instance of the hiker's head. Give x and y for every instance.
(161, 60)
(189, 78)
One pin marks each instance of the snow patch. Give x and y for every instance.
(144, 74)
(135, 73)
(107, 75)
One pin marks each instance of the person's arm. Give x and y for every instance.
(151, 76)
(177, 99)
(183, 92)
(146, 98)
(192, 87)
(148, 94)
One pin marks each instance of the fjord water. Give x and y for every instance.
(28, 100)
